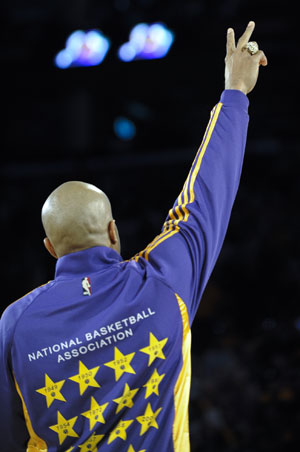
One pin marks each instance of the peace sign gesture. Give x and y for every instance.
(242, 64)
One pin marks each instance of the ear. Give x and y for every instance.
(49, 247)
(114, 237)
(112, 233)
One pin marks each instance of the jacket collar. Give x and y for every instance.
(86, 261)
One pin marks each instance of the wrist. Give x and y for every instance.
(234, 97)
(240, 86)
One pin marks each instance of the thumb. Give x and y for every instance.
(261, 58)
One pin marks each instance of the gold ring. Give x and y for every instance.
(252, 47)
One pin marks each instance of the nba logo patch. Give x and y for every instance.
(86, 286)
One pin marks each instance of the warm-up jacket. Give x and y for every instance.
(99, 358)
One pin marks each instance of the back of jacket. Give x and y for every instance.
(99, 358)
(96, 356)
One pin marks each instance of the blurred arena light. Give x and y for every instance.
(147, 42)
(83, 48)
(124, 128)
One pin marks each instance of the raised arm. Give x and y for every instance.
(186, 250)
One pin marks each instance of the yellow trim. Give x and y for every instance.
(154, 241)
(187, 195)
(165, 237)
(35, 443)
(181, 437)
(193, 173)
(208, 136)
(208, 127)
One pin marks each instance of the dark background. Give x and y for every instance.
(58, 126)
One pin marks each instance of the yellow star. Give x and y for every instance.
(131, 449)
(51, 390)
(148, 419)
(95, 413)
(64, 427)
(154, 349)
(121, 363)
(119, 431)
(126, 398)
(85, 377)
(153, 383)
(91, 443)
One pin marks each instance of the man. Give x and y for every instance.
(99, 358)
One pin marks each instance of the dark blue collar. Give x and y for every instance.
(86, 261)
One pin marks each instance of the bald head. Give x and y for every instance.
(78, 216)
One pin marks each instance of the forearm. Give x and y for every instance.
(216, 174)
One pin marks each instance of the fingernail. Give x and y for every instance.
(229, 30)
(250, 23)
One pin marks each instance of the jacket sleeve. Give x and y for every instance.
(191, 238)
(13, 431)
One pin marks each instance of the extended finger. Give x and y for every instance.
(230, 44)
(244, 39)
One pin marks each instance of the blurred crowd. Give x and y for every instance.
(245, 390)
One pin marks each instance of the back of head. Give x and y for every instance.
(76, 216)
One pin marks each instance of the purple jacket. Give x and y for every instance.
(99, 358)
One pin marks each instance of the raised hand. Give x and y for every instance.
(242, 67)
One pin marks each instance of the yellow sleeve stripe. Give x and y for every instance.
(201, 154)
(188, 189)
(168, 232)
(35, 443)
(201, 151)
(162, 239)
(181, 212)
(181, 440)
(184, 192)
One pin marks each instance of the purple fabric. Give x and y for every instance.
(105, 326)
